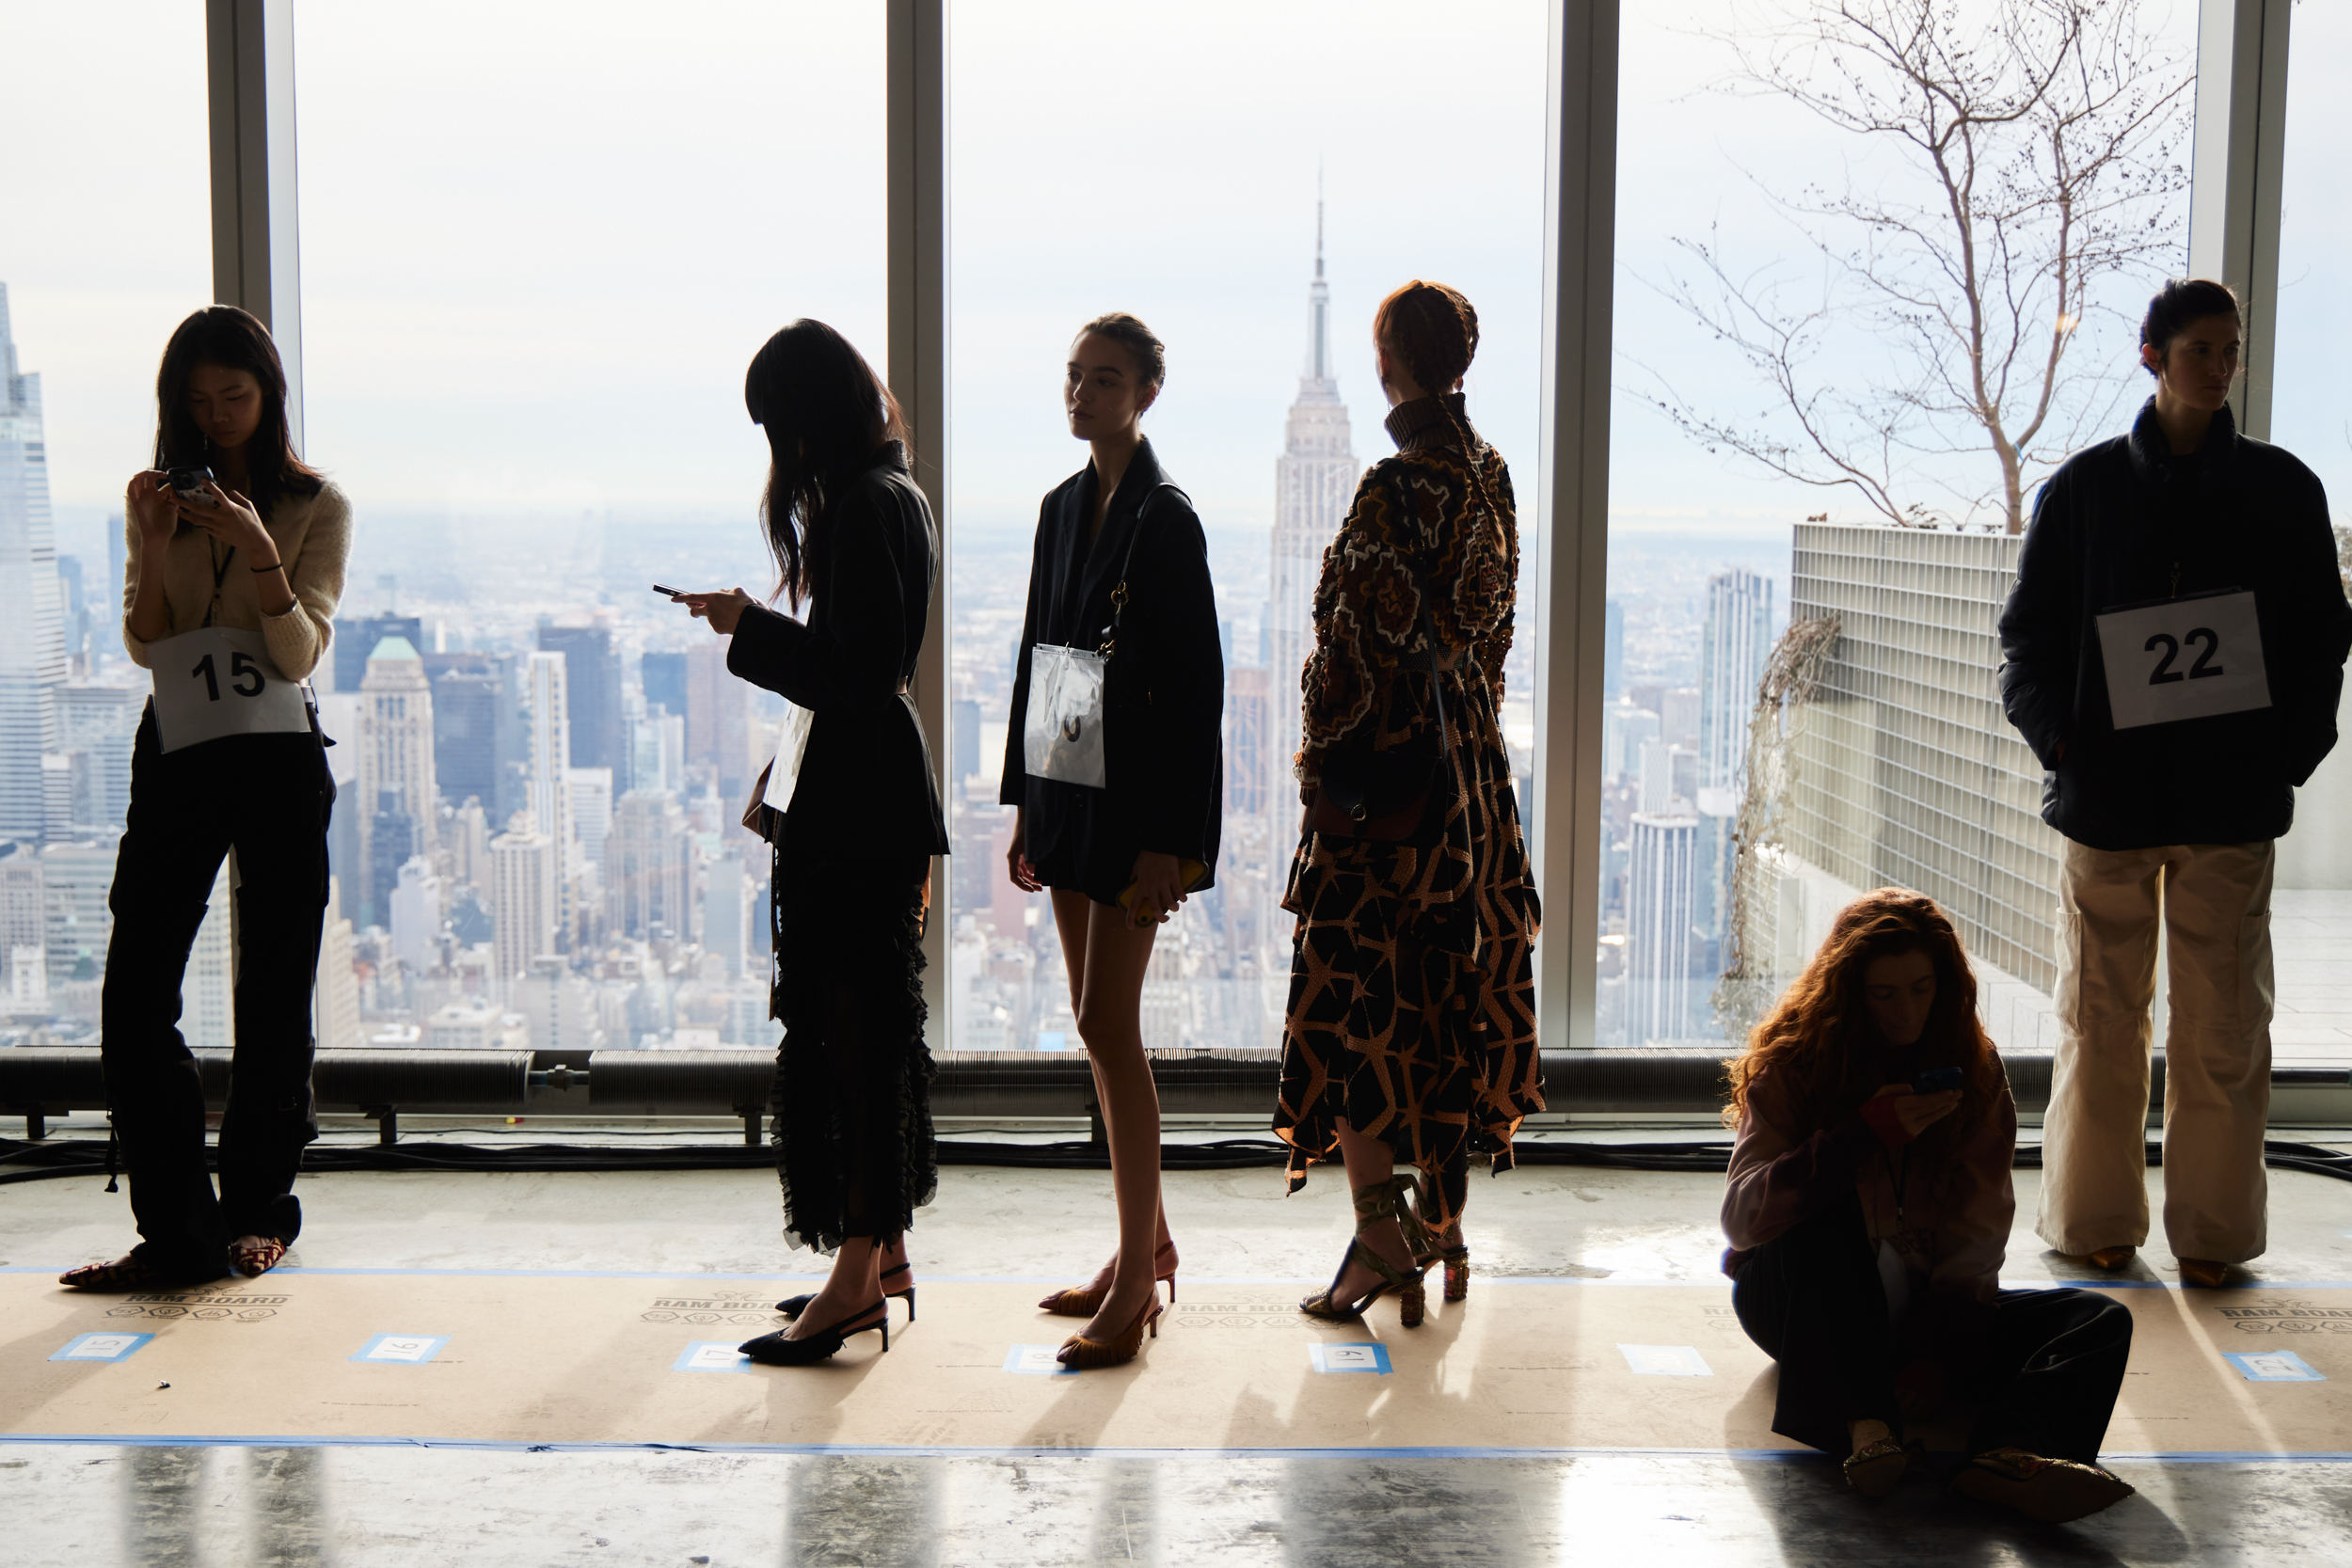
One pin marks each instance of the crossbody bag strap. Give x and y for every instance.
(1118, 594)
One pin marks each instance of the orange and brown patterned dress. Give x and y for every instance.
(1412, 975)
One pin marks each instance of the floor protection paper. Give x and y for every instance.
(569, 1358)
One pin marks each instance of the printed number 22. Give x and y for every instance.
(2164, 674)
(241, 670)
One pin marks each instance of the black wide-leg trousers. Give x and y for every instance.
(2045, 1377)
(268, 797)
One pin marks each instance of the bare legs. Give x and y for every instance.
(1107, 959)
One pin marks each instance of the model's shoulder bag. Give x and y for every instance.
(1062, 732)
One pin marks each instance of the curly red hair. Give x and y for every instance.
(1818, 1034)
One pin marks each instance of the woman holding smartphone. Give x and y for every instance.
(851, 807)
(1869, 1209)
(1120, 565)
(235, 556)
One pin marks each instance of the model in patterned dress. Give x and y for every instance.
(1410, 1034)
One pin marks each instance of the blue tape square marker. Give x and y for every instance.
(1349, 1358)
(2273, 1366)
(712, 1355)
(1666, 1361)
(401, 1350)
(101, 1347)
(1036, 1361)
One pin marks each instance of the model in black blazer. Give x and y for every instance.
(1164, 690)
(867, 771)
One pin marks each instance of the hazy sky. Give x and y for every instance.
(540, 241)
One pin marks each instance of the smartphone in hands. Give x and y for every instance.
(1936, 1081)
(189, 484)
(675, 594)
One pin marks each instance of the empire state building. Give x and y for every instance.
(1314, 482)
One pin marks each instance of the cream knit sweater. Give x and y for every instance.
(313, 538)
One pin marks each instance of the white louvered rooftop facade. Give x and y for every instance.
(1907, 773)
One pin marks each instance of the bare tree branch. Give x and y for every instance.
(2039, 143)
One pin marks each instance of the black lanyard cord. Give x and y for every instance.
(220, 573)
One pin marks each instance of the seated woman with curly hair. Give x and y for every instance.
(1869, 1209)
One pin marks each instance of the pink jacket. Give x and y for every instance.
(1950, 1225)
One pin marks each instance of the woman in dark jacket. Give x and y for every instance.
(1121, 565)
(854, 825)
(1411, 1037)
(2173, 652)
(1868, 1208)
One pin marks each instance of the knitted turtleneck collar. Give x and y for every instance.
(1423, 423)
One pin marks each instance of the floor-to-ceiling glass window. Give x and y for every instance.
(539, 247)
(1841, 369)
(1249, 180)
(104, 246)
(2310, 415)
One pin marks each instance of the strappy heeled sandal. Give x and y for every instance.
(1083, 1355)
(127, 1273)
(792, 1307)
(1084, 1301)
(774, 1350)
(1381, 1201)
(1455, 1258)
(250, 1260)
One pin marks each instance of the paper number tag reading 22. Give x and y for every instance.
(219, 681)
(2183, 658)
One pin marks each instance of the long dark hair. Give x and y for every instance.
(826, 413)
(236, 341)
(1817, 1036)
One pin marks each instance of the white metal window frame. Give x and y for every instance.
(2233, 236)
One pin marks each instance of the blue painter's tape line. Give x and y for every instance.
(100, 1348)
(401, 1349)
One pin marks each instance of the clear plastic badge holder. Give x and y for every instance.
(784, 773)
(2190, 658)
(219, 681)
(1062, 736)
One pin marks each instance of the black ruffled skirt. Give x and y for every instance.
(851, 1112)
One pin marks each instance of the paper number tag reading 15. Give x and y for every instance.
(219, 681)
(2184, 658)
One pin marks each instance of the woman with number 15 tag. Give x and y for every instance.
(2173, 651)
(235, 560)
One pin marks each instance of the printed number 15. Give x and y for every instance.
(241, 669)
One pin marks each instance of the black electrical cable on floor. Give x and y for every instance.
(47, 1160)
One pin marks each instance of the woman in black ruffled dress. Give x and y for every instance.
(854, 832)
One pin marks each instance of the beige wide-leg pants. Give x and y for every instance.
(2215, 901)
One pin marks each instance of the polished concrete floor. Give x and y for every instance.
(108, 1503)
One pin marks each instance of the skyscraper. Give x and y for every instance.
(592, 678)
(1736, 641)
(1661, 955)
(32, 612)
(356, 640)
(1734, 647)
(1314, 479)
(548, 703)
(1248, 771)
(396, 774)
(524, 877)
(649, 866)
(718, 720)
